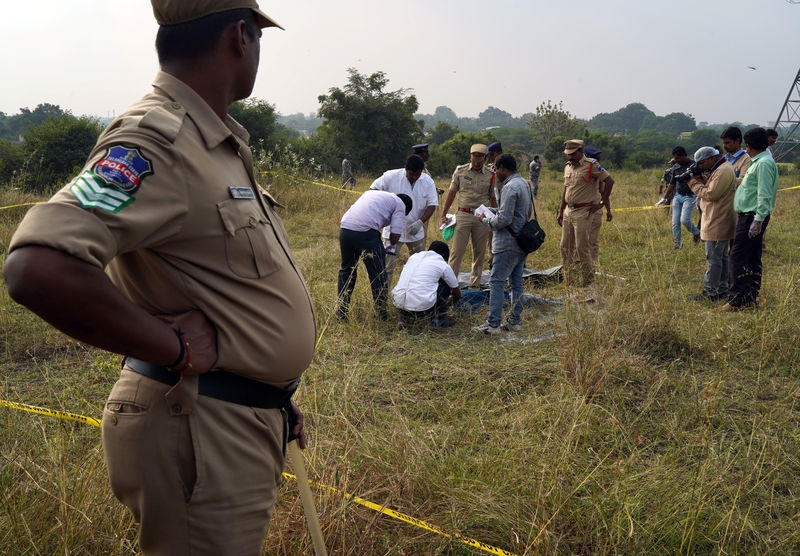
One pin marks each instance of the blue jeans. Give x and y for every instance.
(506, 265)
(715, 282)
(682, 207)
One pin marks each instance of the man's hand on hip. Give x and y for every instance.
(201, 339)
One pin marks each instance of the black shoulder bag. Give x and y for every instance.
(531, 235)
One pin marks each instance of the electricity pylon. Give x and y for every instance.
(788, 124)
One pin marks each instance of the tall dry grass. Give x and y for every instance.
(642, 423)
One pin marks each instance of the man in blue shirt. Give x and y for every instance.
(509, 260)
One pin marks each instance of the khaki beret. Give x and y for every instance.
(479, 148)
(572, 145)
(173, 12)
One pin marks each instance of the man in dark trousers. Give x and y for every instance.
(360, 238)
(753, 203)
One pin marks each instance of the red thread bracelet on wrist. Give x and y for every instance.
(185, 354)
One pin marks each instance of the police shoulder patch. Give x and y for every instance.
(123, 167)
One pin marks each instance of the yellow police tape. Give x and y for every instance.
(52, 413)
(318, 183)
(408, 519)
(22, 205)
(366, 503)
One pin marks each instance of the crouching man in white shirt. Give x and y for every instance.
(425, 286)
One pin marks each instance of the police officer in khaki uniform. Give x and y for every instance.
(473, 184)
(202, 294)
(587, 187)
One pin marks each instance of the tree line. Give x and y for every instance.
(40, 149)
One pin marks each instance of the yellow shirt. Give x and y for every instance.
(169, 202)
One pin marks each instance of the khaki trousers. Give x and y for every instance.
(580, 241)
(391, 260)
(199, 474)
(469, 228)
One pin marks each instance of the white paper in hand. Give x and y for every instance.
(484, 210)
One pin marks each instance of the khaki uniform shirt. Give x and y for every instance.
(169, 202)
(474, 188)
(716, 202)
(582, 181)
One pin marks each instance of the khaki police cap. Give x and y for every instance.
(479, 148)
(572, 145)
(172, 12)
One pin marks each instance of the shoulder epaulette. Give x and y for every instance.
(166, 119)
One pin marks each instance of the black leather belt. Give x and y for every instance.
(222, 385)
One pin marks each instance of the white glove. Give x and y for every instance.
(661, 201)
(755, 229)
(413, 228)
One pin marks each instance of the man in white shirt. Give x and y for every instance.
(426, 284)
(420, 188)
(360, 238)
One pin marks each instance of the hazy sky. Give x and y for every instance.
(97, 56)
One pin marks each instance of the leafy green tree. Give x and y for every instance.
(652, 140)
(515, 139)
(455, 151)
(626, 120)
(261, 121)
(445, 114)
(614, 149)
(56, 149)
(554, 152)
(375, 125)
(11, 159)
(495, 117)
(551, 120)
(441, 133)
(648, 159)
(676, 122)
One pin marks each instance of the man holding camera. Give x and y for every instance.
(715, 189)
(684, 199)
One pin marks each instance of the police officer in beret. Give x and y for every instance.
(202, 295)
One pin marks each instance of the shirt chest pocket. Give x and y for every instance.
(250, 243)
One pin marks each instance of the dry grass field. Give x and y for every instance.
(642, 423)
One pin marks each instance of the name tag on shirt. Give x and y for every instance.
(241, 192)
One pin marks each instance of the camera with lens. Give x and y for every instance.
(695, 170)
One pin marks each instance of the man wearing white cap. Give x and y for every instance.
(202, 295)
(715, 188)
